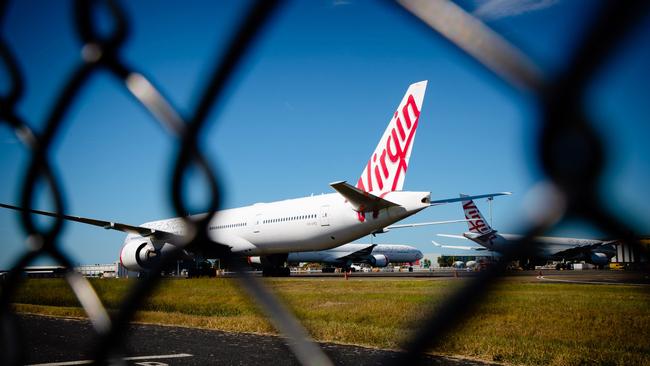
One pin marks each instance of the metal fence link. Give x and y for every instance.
(102, 53)
(478, 41)
(570, 151)
(40, 241)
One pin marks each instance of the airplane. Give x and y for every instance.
(469, 265)
(463, 262)
(594, 251)
(271, 230)
(376, 255)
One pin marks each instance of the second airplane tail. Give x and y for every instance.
(475, 220)
(386, 168)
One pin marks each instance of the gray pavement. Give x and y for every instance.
(575, 276)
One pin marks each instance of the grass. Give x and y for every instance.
(521, 322)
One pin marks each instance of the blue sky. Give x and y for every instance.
(307, 107)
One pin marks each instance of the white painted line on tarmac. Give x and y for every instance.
(135, 358)
(591, 282)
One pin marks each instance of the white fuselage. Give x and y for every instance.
(295, 225)
(394, 252)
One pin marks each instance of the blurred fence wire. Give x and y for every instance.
(569, 151)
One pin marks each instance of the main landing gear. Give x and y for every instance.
(274, 265)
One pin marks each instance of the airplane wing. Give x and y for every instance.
(467, 198)
(417, 224)
(462, 247)
(109, 225)
(360, 200)
(575, 250)
(356, 254)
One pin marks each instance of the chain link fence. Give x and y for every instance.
(570, 152)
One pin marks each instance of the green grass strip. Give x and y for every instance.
(522, 322)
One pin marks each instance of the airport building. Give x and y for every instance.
(433, 259)
(110, 270)
(626, 254)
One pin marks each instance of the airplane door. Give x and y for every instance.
(324, 215)
(257, 223)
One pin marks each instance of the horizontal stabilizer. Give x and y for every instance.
(476, 236)
(418, 224)
(361, 201)
(466, 198)
(461, 247)
(452, 236)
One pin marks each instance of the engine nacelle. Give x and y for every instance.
(472, 265)
(138, 255)
(599, 258)
(458, 264)
(378, 260)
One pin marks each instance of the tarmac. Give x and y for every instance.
(591, 276)
(596, 277)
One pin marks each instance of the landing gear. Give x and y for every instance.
(274, 265)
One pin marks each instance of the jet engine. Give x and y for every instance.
(472, 265)
(138, 255)
(378, 260)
